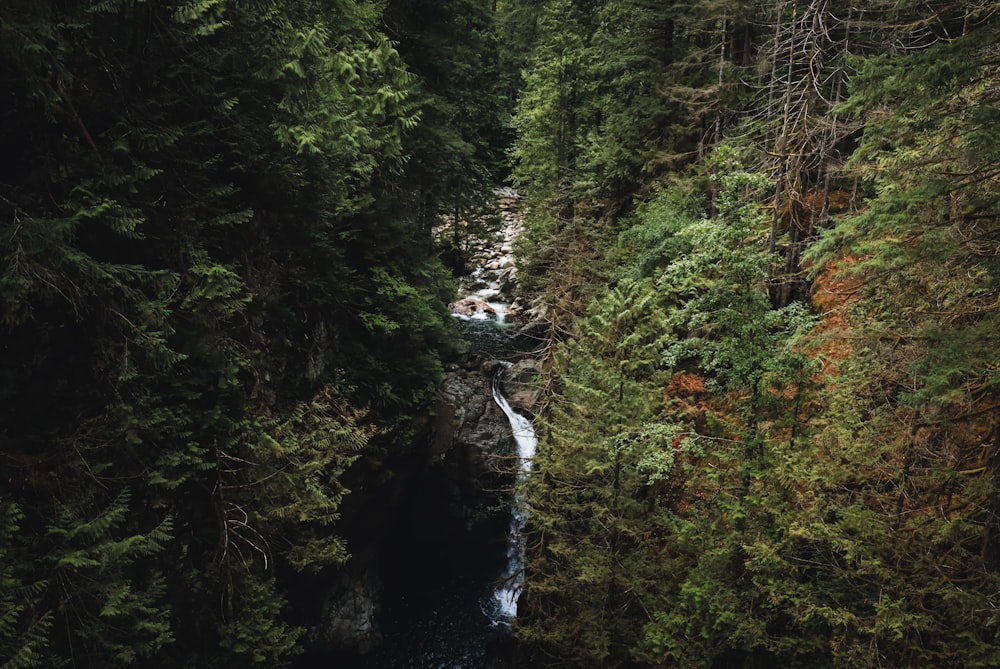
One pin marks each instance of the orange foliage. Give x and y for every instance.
(685, 384)
(818, 204)
(840, 201)
(687, 394)
(835, 291)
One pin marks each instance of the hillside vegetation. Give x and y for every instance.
(767, 238)
(762, 255)
(221, 308)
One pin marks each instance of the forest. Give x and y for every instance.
(763, 239)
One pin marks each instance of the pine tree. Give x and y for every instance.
(916, 396)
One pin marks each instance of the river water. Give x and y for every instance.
(450, 588)
(524, 434)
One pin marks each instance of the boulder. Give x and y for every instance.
(522, 386)
(471, 447)
(472, 306)
(467, 416)
(507, 281)
(348, 616)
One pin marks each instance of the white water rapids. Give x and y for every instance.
(506, 595)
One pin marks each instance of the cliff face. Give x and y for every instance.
(472, 435)
(440, 517)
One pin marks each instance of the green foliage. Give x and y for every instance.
(213, 293)
(652, 241)
(122, 615)
(587, 504)
(614, 93)
(456, 154)
(304, 457)
(911, 396)
(547, 117)
(23, 637)
(677, 494)
(771, 486)
(253, 632)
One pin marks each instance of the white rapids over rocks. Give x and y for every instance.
(524, 434)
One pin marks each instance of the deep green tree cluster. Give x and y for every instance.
(456, 155)
(214, 292)
(773, 436)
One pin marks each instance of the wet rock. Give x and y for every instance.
(501, 263)
(521, 384)
(472, 306)
(514, 309)
(493, 256)
(467, 416)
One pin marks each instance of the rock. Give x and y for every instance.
(454, 401)
(471, 446)
(478, 283)
(507, 281)
(533, 333)
(514, 310)
(349, 614)
(468, 462)
(521, 385)
(492, 256)
(472, 306)
(468, 416)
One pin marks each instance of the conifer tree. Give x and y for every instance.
(587, 496)
(204, 315)
(456, 152)
(827, 491)
(916, 398)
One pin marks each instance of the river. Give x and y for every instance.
(450, 586)
(450, 589)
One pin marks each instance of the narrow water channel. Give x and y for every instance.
(450, 586)
(457, 612)
(524, 434)
(449, 564)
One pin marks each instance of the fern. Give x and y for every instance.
(30, 650)
(196, 10)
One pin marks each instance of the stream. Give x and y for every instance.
(451, 565)
(524, 434)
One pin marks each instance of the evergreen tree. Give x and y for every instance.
(206, 310)
(587, 498)
(826, 493)
(731, 579)
(456, 154)
(917, 393)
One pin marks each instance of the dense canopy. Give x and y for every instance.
(764, 238)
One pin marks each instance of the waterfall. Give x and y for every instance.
(451, 532)
(505, 596)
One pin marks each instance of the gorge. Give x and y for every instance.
(443, 588)
(246, 421)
